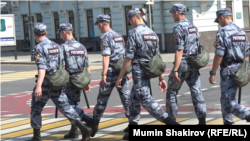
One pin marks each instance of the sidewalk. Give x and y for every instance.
(95, 58)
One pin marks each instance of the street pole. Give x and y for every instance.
(149, 10)
(77, 23)
(32, 43)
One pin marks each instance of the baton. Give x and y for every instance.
(86, 99)
(150, 88)
(239, 95)
(56, 112)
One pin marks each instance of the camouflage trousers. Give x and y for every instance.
(192, 77)
(74, 98)
(105, 92)
(229, 106)
(60, 100)
(141, 96)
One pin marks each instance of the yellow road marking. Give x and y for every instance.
(219, 121)
(161, 123)
(17, 123)
(101, 125)
(4, 118)
(18, 76)
(30, 131)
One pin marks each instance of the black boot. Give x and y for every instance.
(73, 134)
(86, 131)
(202, 121)
(126, 129)
(125, 137)
(227, 123)
(170, 121)
(95, 124)
(36, 135)
(87, 120)
(248, 118)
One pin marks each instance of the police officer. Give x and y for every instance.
(186, 38)
(229, 53)
(75, 55)
(142, 45)
(112, 49)
(47, 62)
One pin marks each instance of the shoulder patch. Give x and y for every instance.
(102, 47)
(118, 39)
(192, 30)
(216, 43)
(53, 51)
(238, 38)
(76, 52)
(149, 37)
(37, 57)
(176, 37)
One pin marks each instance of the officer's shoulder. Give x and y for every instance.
(132, 32)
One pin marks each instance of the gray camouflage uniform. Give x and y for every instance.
(142, 43)
(112, 44)
(186, 38)
(76, 58)
(229, 43)
(47, 58)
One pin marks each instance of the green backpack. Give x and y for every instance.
(81, 80)
(200, 59)
(242, 76)
(118, 66)
(155, 67)
(58, 79)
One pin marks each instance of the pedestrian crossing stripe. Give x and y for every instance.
(18, 76)
(110, 129)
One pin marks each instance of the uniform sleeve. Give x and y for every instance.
(86, 57)
(179, 38)
(131, 47)
(40, 57)
(105, 46)
(219, 44)
(61, 48)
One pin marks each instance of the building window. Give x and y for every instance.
(108, 12)
(72, 21)
(128, 27)
(90, 22)
(246, 18)
(152, 17)
(26, 26)
(39, 18)
(245, 10)
(56, 18)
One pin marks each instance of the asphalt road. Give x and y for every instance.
(211, 93)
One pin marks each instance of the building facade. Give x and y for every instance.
(82, 15)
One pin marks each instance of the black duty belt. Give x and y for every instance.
(229, 63)
(75, 73)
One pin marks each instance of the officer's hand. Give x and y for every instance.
(38, 92)
(163, 86)
(118, 83)
(211, 79)
(87, 89)
(176, 78)
(104, 80)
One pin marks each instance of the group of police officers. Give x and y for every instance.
(141, 46)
